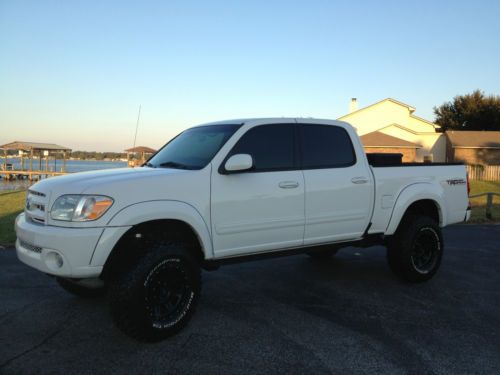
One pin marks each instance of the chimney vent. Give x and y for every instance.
(353, 106)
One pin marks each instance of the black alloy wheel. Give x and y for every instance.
(426, 249)
(167, 293)
(415, 251)
(156, 295)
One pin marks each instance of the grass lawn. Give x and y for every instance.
(479, 204)
(11, 204)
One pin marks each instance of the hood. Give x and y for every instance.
(77, 183)
(109, 182)
(128, 186)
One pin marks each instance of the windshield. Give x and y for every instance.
(193, 148)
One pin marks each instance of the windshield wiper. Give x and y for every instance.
(175, 165)
(148, 164)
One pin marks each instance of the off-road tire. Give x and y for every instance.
(141, 295)
(415, 251)
(80, 290)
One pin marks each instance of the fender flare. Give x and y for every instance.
(141, 212)
(411, 194)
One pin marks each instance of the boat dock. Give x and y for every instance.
(30, 175)
(27, 154)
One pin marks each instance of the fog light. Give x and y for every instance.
(59, 260)
(54, 261)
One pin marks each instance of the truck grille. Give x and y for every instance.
(35, 208)
(30, 247)
(37, 193)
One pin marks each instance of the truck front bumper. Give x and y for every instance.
(59, 251)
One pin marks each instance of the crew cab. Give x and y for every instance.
(226, 192)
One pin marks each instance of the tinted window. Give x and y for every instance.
(193, 148)
(325, 146)
(271, 146)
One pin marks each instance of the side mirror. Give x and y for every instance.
(238, 163)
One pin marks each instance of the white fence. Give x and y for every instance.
(484, 172)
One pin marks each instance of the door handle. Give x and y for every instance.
(359, 180)
(288, 184)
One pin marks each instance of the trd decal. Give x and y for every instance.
(456, 181)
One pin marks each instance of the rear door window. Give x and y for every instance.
(326, 146)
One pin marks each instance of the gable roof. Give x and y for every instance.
(409, 130)
(35, 146)
(379, 139)
(473, 139)
(409, 107)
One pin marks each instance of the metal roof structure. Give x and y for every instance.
(33, 146)
(144, 149)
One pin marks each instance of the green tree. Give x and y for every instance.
(474, 111)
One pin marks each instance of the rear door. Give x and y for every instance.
(261, 209)
(339, 185)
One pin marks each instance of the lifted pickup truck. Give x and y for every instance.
(225, 192)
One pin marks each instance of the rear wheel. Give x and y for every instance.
(156, 296)
(415, 251)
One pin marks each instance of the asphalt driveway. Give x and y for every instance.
(287, 315)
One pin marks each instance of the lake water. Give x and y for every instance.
(71, 166)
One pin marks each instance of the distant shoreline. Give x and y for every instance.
(112, 160)
(72, 166)
(2, 157)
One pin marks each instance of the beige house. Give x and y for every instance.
(397, 120)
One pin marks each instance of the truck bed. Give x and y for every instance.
(392, 182)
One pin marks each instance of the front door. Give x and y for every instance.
(261, 209)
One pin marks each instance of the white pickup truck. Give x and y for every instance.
(225, 192)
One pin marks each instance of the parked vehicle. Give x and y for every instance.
(227, 192)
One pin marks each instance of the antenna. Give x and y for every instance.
(137, 125)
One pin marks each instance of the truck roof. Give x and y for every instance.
(271, 120)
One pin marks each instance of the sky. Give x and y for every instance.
(75, 72)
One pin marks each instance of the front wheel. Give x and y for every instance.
(415, 251)
(155, 297)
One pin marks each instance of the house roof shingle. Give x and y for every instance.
(473, 139)
(379, 139)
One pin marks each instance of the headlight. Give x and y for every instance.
(80, 207)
